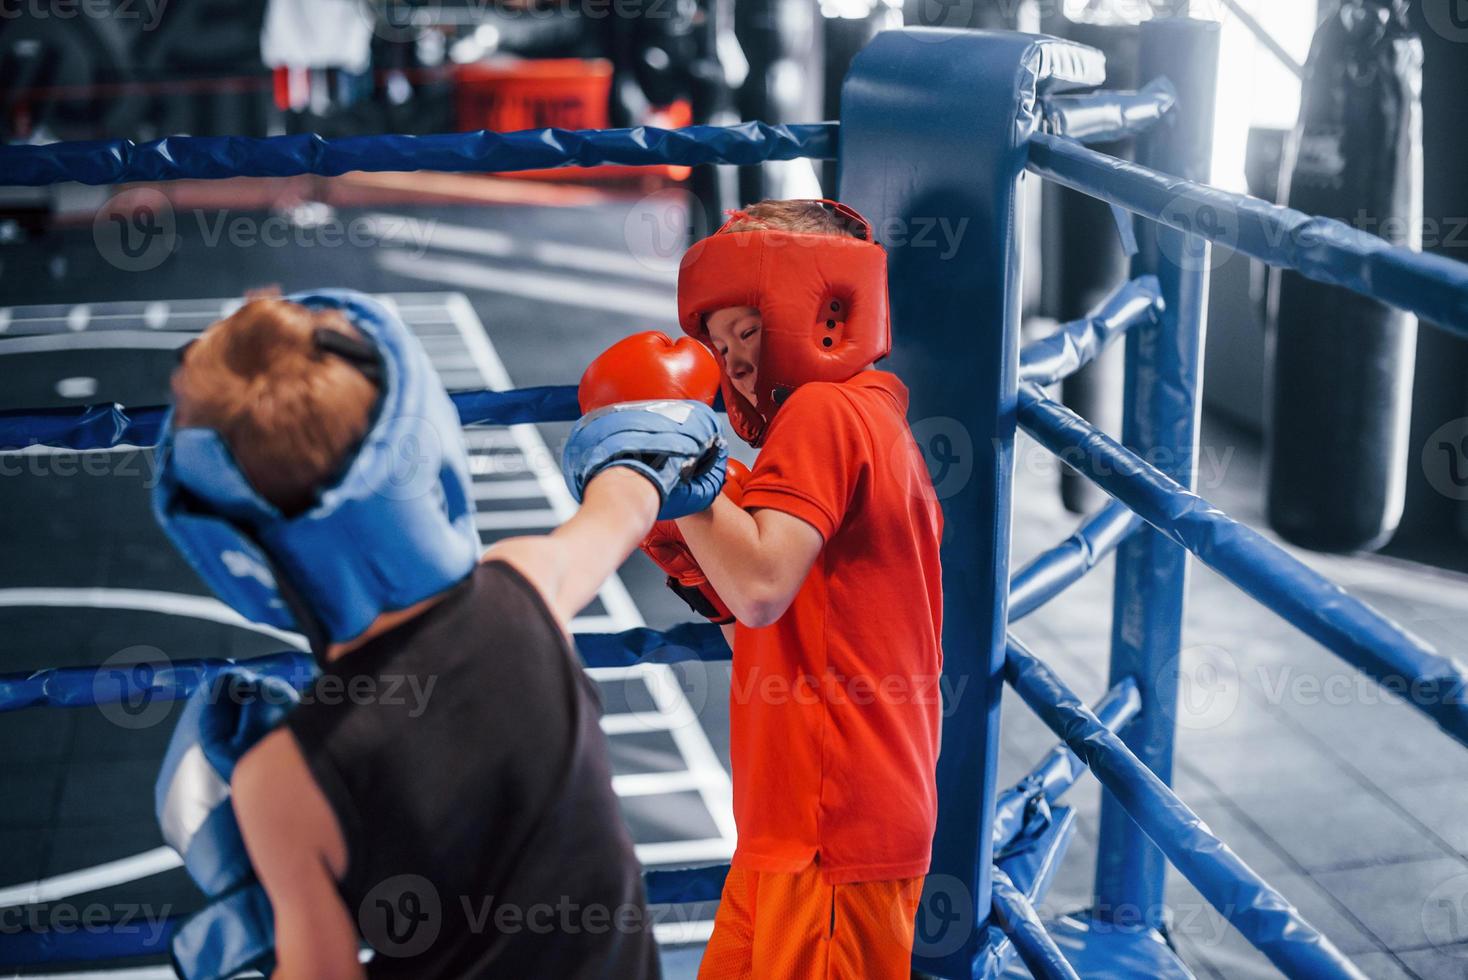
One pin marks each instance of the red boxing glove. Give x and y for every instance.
(664, 544)
(647, 366)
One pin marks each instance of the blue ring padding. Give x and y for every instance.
(1014, 914)
(679, 886)
(686, 641)
(79, 687)
(1059, 770)
(24, 947)
(1107, 116)
(1032, 870)
(33, 947)
(74, 687)
(1323, 249)
(1262, 915)
(104, 426)
(111, 425)
(215, 157)
(1051, 572)
(1437, 685)
(1077, 343)
(547, 403)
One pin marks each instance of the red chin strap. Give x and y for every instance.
(822, 301)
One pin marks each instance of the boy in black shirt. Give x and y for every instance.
(472, 832)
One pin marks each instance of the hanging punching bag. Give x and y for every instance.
(1341, 365)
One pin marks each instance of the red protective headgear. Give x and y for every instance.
(822, 300)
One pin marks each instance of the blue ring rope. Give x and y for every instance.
(1250, 904)
(108, 426)
(1436, 684)
(73, 687)
(1322, 249)
(218, 157)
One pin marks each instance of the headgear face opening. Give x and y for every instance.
(396, 527)
(822, 300)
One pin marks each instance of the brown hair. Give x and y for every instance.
(801, 217)
(289, 412)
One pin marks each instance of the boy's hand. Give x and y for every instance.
(649, 365)
(666, 547)
(674, 444)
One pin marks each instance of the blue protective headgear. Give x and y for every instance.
(395, 528)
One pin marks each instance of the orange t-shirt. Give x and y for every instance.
(835, 709)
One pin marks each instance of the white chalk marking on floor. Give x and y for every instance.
(146, 600)
(506, 489)
(593, 624)
(104, 340)
(632, 723)
(580, 291)
(480, 439)
(121, 871)
(657, 783)
(499, 245)
(77, 319)
(685, 851)
(129, 973)
(683, 933)
(511, 520)
(497, 464)
(601, 260)
(693, 745)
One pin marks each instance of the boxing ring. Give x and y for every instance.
(948, 124)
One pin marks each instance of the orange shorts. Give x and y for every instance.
(774, 926)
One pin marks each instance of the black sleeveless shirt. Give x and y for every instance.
(463, 755)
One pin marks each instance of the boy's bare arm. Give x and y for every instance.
(298, 853)
(756, 560)
(570, 564)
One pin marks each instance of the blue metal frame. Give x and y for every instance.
(1159, 421)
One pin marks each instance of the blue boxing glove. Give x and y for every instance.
(222, 720)
(675, 444)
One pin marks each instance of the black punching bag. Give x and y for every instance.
(1341, 365)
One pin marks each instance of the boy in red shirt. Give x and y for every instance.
(830, 566)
